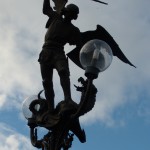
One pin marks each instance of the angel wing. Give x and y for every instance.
(102, 34)
(59, 5)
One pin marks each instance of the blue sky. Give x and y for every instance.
(121, 116)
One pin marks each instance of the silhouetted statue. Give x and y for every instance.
(64, 118)
(60, 31)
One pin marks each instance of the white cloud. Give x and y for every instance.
(21, 34)
(18, 51)
(11, 140)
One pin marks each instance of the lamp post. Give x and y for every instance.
(95, 57)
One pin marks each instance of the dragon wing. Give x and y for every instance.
(102, 34)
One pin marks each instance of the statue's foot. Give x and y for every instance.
(70, 102)
(66, 107)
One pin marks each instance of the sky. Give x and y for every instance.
(121, 116)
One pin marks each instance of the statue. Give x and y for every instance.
(64, 118)
(60, 31)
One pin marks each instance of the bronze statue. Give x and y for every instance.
(63, 118)
(60, 31)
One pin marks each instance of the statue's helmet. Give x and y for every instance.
(72, 8)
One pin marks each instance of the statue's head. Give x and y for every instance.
(72, 11)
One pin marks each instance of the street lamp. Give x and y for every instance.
(26, 104)
(95, 56)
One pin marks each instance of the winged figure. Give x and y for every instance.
(99, 33)
(65, 117)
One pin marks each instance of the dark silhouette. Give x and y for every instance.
(60, 31)
(64, 118)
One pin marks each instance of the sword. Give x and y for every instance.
(100, 2)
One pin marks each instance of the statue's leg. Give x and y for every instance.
(64, 74)
(65, 83)
(47, 75)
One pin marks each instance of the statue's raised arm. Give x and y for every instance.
(47, 9)
(59, 5)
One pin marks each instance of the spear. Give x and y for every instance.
(100, 2)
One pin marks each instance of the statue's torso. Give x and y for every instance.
(61, 32)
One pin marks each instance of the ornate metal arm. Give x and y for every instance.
(33, 136)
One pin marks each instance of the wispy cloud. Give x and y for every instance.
(11, 140)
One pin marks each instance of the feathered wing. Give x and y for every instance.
(101, 34)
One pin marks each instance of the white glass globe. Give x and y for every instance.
(96, 54)
(25, 106)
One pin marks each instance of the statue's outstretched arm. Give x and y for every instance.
(47, 10)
